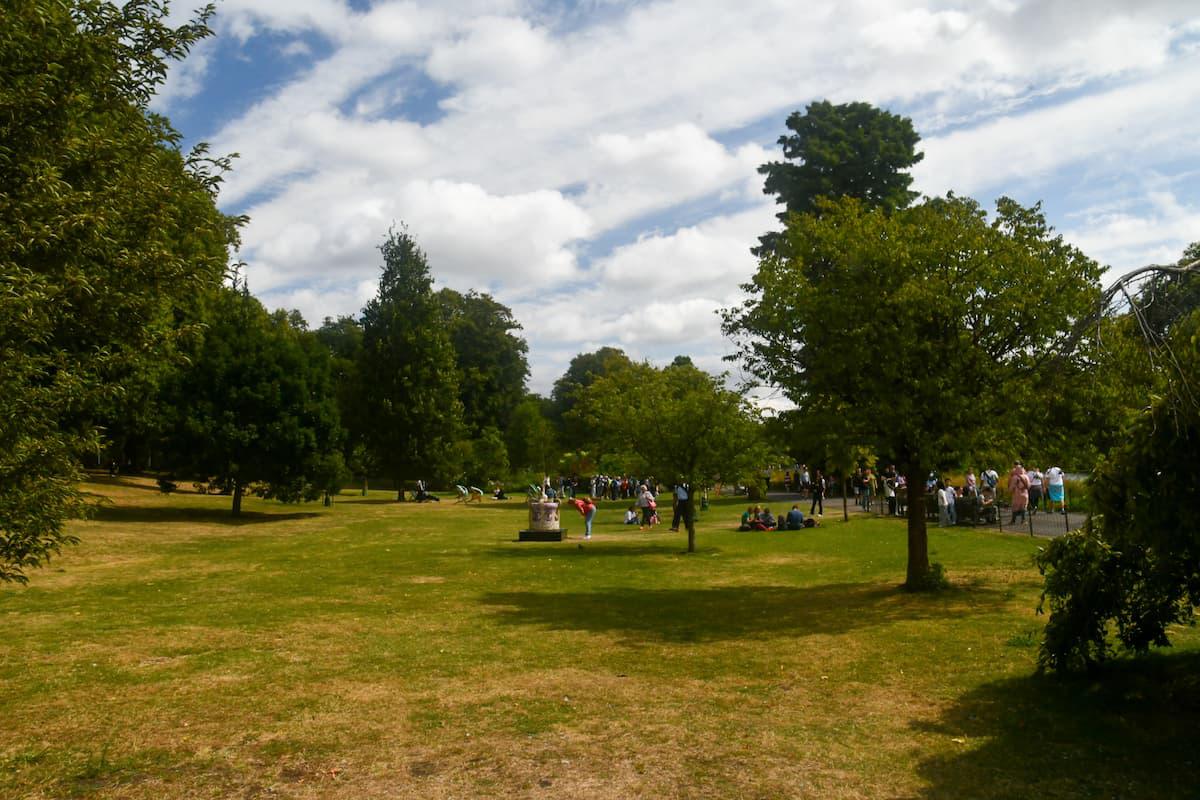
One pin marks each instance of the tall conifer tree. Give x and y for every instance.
(407, 368)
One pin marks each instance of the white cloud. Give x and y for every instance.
(493, 49)
(554, 127)
(1126, 239)
(1150, 120)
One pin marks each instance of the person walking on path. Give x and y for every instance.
(1018, 485)
(818, 495)
(1056, 489)
(1035, 490)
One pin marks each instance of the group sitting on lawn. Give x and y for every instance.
(760, 518)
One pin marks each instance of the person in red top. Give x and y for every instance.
(586, 507)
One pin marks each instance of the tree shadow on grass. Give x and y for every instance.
(208, 516)
(730, 612)
(1131, 733)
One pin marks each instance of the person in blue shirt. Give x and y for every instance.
(795, 519)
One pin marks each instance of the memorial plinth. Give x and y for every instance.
(543, 523)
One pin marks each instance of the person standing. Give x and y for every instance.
(1056, 488)
(943, 503)
(1035, 490)
(818, 495)
(645, 502)
(1018, 485)
(586, 507)
(682, 492)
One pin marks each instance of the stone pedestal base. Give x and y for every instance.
(543, 523)
(542, 535)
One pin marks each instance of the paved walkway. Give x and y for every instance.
(1044, 524)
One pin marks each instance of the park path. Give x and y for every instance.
(1044, 524)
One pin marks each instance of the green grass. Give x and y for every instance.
(377, 649)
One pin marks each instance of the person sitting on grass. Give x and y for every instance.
(765, 521)
(748, 517)
(795, 518)
(631, 515)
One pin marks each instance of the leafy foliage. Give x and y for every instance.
(491, 359)
(850, 150)
(531, 437)
(921, 334)
(256, 407)
(680, 423)
(407, 367)
(584, 370)
(107, 235)
(1137, 564)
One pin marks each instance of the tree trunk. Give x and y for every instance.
(364, 489)
(918, 538)
(237, 498)
(328, 499)
(845, 501)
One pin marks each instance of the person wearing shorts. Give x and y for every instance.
(1056, 489)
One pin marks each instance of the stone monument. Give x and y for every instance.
(543, 522)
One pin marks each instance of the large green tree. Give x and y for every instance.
(343, 338)
(923, 334)
(678, 423)
(848, 150)
(108, 233)
(1135, 567)
(491, 358)
(407, 368)
(255, 409)
(531, 437)
(584, 370)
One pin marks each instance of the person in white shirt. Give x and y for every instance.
(1056, 489)
(943, 506)
(1035, 489)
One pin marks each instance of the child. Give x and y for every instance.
(631, 516)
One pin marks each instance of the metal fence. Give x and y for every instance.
(969, 513)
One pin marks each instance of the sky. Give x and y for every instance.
(592, 164)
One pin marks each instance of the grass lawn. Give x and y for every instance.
(376, 649)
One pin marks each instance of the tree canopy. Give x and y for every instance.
(407, 368)
(256, 406)
(108, 233)
(922, 334)
(584, 370)
(678, 423)
(490, 357)
(849, 150)
(1135, 566)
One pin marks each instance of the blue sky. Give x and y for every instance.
(592, 164)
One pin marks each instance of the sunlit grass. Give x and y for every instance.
(376, 649)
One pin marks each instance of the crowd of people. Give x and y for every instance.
(1031, 490)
